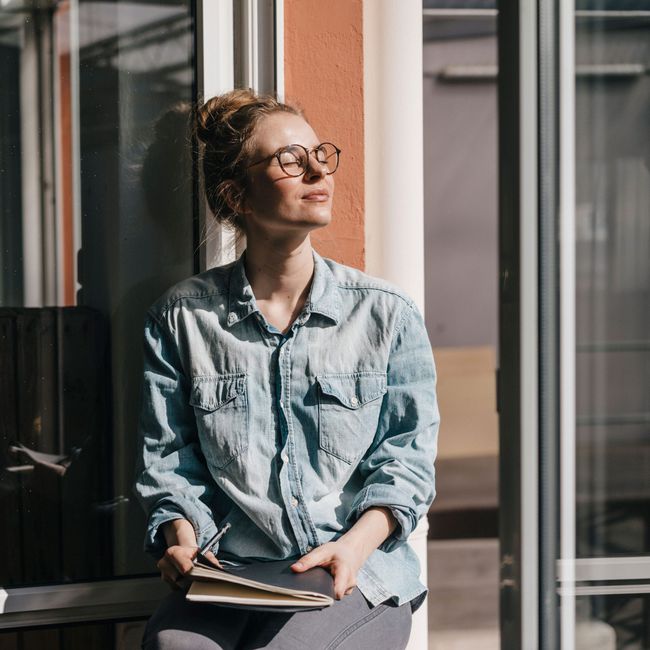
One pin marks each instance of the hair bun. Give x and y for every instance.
(216, 115)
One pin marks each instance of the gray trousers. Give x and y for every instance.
(349, 624)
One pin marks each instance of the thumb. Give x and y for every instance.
(213, 558)
(312, 559)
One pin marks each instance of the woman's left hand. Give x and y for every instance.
(341, 559)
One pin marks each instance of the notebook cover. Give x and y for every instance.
(278, 574)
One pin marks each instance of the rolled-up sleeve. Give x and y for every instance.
(398, 469)
(172, 480)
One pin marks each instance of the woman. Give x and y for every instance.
(289, 395)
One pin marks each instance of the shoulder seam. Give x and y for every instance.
(377, 288)
(195, 296)
(410, 306)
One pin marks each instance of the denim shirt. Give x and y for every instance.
(289, 437)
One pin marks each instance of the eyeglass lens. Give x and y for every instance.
(293, 160)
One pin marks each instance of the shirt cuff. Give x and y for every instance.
(155, 543)
(400, 505)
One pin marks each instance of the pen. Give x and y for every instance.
(213, 540)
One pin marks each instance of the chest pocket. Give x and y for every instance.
(348, 412)
(221, 408)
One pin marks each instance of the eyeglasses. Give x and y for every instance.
(294, 158)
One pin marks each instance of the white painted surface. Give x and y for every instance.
(529, 344)
(418, 541)
(394, 134)
(216, 75)
(567, 199)
(604, 568)
(30, 170)
(279, 49)
(394, 197)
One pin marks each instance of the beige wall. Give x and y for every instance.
(467, 399)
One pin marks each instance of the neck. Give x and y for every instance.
(280, 272)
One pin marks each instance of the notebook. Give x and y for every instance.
(267, 586)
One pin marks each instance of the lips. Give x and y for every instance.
(316, 195)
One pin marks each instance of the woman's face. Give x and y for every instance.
(274, 202)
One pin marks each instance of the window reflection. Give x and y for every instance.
(613, 314)
(96, 220)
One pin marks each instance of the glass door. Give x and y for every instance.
(612, 327)
(575, 320)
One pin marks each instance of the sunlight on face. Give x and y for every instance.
(276, 202)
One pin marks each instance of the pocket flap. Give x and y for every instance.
(211, 393)
(353, 390)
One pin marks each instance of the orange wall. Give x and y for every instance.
(323, 67)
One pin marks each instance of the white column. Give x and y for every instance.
(394, 143)
(394, 185)
(215, 75)
(30, 170)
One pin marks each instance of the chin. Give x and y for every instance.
(324, 219)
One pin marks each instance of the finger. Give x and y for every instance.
(343, 581)
(314, 558)
(170, 579)
(167, 567)
(180, 559)
(209, 555)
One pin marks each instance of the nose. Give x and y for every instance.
(315, 169)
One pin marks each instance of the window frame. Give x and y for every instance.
(136, 597)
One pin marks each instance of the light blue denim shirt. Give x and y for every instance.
(290, 437)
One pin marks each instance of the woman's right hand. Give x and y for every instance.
(177, 562)
(178, 559)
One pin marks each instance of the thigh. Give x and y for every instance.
(178, 624)
(349, 624)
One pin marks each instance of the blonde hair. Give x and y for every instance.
(225, 124)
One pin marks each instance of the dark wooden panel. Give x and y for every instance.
(40, 639)
(37, 388)
(85, 637)
(87, 427)
(11, 571)
(55, 398)
(9, 641)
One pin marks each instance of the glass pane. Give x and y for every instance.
(613, 304)
(96, 221)
(461, 270)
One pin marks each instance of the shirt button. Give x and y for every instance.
(354, 401)
(309, 548)
(294, 502)
(231, 318)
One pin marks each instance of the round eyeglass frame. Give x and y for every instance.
(307, 154)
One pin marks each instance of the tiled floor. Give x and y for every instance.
(464, 594)
(464, 640)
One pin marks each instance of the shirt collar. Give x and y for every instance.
(323, 296)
